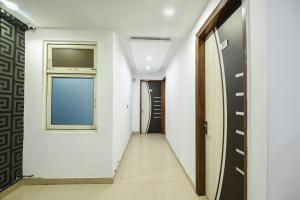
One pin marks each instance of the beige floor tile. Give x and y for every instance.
(136, 191)
(131, 172)
(175, 191)
(57, 192)
(96, 192)
(25, 192)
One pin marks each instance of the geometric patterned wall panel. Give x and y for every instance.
(12, 61)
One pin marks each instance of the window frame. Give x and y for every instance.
(67, 72)
(69, 45)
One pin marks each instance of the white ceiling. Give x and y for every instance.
(149, 54)
(128, 17)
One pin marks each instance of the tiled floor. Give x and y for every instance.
(149, 171)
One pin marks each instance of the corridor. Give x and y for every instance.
(149, 171)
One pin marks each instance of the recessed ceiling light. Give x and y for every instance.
(168, 12)
(148, 58)
(148, 67)
(9, 4)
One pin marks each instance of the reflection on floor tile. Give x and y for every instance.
(148, 171)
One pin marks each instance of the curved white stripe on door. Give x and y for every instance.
(214, 115)
(150, 107)
(145, 107)
(225, 116)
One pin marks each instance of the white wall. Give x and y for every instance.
(136, 96)
(64, 154)
(180, 98)
(122, 79)
(283, 43)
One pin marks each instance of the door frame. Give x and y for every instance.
(220, 14)
(163, 103)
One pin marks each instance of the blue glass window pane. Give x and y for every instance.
(72, 101)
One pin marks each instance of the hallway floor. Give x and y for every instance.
(149, 171)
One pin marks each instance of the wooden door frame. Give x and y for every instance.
(220, 14)
(163, 105)
(163, 116)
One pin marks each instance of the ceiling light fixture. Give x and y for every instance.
(148, 58)
(9, 4)
(168, 12)
(148, 67)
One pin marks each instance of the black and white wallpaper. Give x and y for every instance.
(12, 61)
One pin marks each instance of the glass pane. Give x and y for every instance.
(68, 57)
(72, 101)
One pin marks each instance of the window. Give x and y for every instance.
(71, 75)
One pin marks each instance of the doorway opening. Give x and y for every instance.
(221, 104)
(152, 106)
